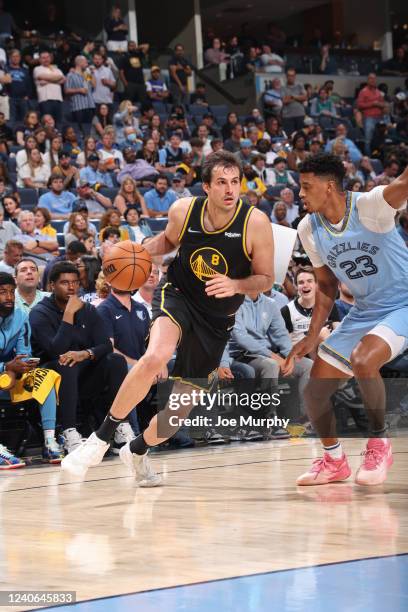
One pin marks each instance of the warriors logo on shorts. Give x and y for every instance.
(207, 262)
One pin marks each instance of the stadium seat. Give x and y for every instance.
(12, 164)
(219, 109)
(159, 107)
(28, 197)
(58, 224)
(197, 110)
(157, 225)
(61, 239)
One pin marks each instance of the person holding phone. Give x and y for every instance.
(15, 362)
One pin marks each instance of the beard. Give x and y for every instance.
(6, 311)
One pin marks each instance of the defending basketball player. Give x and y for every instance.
(225, 250)
(351, 237)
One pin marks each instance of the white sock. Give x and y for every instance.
(49, 434)
(335, 451)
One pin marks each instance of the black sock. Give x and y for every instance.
(379, 433)
(108, 427)
(138, 445)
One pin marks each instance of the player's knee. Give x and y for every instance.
(362, 362)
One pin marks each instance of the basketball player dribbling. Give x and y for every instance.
(352, 238)
(225, 250)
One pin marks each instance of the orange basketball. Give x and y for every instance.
(127, 266)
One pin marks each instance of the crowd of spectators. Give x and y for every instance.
(91, 153)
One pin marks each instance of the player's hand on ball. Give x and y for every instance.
(221, 286)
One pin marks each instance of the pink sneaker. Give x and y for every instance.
(326, 470)
(377, 460)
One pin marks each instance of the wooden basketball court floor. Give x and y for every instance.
(229, 531)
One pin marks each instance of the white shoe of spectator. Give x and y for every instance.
(140, 467)
(72, 439)
(123, 434)
(88, 454)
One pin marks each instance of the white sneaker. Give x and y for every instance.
(140, 467)
(86, 455)
(123, 434)
(72, 439)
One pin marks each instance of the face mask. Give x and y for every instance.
(131, 137)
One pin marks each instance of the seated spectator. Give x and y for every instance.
(116, 31)
(272, 98)
(355, 185)
(403, 226)
(298, 153)
(108, 154)
(292, 208)
(15, 361)
(280, 174)
(148, 153)
(251, 182)
(111, 218)
(125, 118)
(34, 173)
(136, 167)
(279, 214)
(78, 228)
(27, 280)
(259, 339)
(255, 200)
(71, 143)
(390, 172)
(171, 155)
(52, 156)
(344, 302)
(397, 65)
(49, 125)
(57, 201)
(192, 162)
(67, 170)
(252, 62)
(215, 54)
(8, 231)
(70, 337)
(233, 143)
(13, 253)
(89, 149)
(40, 136)
(29, 144)
(89, 268)
(100, 121)
(93, 175)
(341, 133)
(156, 88)
(41, 248)
(95, 202)
(232, 121)
(72, 254)
(129, 195)
(245, 153)
(144, 295)
(6, 133)
(199, 95)
(102, 288)
(298, 313)
(178, 184)
(30, 124)
(11, 208)
(271, 62)
(217, 144)
(322, 106)
(109, 236)
(132, 229)
(159, 199)
(81, 207)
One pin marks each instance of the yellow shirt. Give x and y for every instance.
(48, 230)
(248, 185)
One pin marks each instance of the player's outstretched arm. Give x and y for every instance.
(168, 240)
(396, 194)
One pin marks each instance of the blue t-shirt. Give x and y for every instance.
(57, 204)
(129, 329)
(161, 204)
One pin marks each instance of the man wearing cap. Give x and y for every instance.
(92, 175)
(245, 154)
(68, 171)
(178, 185)
(95, 202)
(57, 200)
(156, 88)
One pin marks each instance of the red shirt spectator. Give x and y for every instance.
(370, 99)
